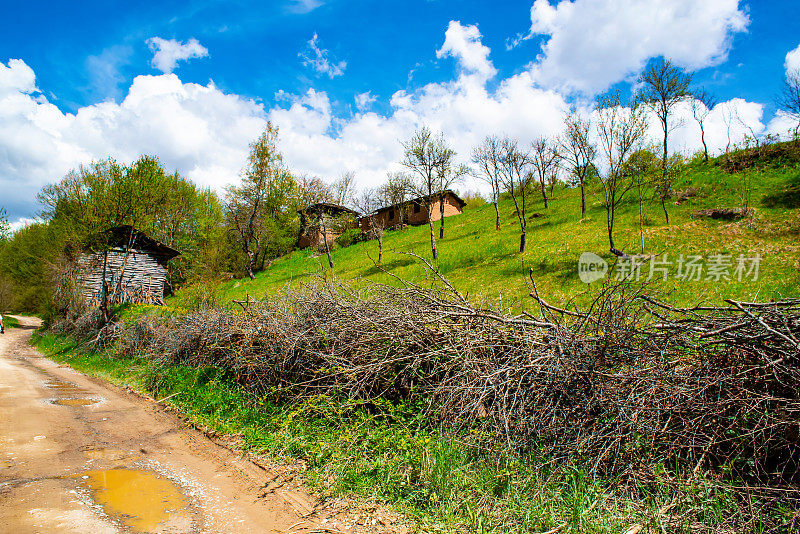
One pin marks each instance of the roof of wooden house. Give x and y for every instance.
(127, 236)
(326, 208)
(423, 199)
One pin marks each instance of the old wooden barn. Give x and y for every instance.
(133, 265)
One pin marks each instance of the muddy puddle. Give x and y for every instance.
(74, 402)
(64, 387)
(141, 500)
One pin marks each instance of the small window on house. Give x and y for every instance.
(417, 208)
(391, 215)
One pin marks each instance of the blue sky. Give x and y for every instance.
(87, 80)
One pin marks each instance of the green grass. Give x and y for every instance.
(10, 322)
(486, 263)
(388, 453)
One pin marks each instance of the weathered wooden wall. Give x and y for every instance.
(134, 276)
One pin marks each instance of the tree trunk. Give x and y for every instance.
(703, 140)
(441, 218)
(522, 241)
(251, 263)
(665, 187)
(544, 193)
(434, 252)
(497, 216)
(583, 200)
(610, 225)
(104, 290)
(327, 248)
(380, 247)
(641, 221)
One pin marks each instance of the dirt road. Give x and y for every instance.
(78, 455)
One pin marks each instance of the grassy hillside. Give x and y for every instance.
(486, 263)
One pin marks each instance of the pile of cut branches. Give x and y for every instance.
(626, 383)
(629, 381)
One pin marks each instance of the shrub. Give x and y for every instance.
(473, 200)
(351, 236)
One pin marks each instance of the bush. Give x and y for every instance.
(351, 236)
(473, 200)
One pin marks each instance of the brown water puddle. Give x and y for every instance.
(74, 402)
(141, 500)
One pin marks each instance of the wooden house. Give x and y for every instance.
(133, 265)
(324, 221)
(415, 211)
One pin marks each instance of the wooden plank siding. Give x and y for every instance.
(134, 276)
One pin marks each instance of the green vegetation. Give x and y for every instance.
(385, 451)
(10, 322)
(486, 263)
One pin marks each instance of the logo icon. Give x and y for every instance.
(591, 267)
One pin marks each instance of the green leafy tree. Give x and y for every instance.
(257, 210)
(5, 228)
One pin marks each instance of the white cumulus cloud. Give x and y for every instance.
(167, 52)
(591, 44)
(198, 130)
(365, 100)
(793, 60)
(464, 44)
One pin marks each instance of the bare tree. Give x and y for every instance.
(621, 132)
(702, 103)
(486, 158)
(543, 159)
(312, 190)
(447, 174)
(577, 151)
(665, 86)
(369, 201)
(515, 178)
(641, 167)
(729, 112)
(789, 100)
(396, 192)
(425, 155)
(343, 189)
